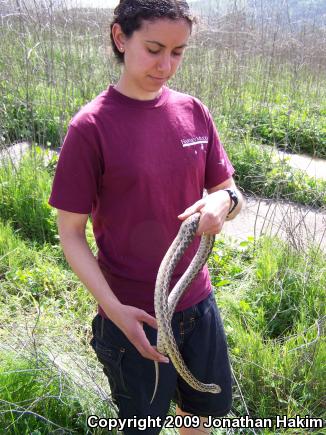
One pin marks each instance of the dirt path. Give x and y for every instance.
(14, 153)
(313, 166)
(298, 224)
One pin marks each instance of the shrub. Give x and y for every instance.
(24, 192)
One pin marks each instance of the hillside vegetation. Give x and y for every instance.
(296, 11)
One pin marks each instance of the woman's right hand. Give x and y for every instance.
(130, 320)
(82, 261)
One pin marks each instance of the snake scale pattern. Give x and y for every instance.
(165, 303)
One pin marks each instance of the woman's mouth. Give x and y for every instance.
(158, 79)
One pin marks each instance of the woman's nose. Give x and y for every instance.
(164, 64)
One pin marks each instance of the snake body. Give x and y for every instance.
(165, 303)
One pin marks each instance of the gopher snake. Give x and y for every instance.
(165, 303)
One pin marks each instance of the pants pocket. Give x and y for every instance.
(112, 360)
(111, 355)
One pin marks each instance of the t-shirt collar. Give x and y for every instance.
(132, 102)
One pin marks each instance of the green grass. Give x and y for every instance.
(38, 398)
(24, 194)
(259, 172)
(272, 302)
(298, 131)
(29, 387)
(32, 274)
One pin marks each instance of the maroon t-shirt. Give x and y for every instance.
(135, 166)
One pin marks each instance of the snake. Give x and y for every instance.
(165, 301)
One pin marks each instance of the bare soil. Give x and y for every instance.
(299, 225)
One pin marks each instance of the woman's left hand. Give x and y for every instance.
(213, 209)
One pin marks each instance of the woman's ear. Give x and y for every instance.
(118, 37)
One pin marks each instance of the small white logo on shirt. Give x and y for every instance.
(194, 141)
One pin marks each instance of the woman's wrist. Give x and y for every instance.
(112, 307)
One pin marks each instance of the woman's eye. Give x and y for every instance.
(174, 53)
(152, 51)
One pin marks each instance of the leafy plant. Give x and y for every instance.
(24, 192)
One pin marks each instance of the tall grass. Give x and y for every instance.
(251, 76)
(30, 392)
(38, 396)
(273, 301)
(24, 190)
(264, 82)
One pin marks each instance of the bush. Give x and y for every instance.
(298, 131)
(258, 172)
(24, 195)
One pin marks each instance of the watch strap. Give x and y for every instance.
(234, 200)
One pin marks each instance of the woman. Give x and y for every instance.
(138, 158)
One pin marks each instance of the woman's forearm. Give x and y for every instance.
(129, 319)
(85, 266)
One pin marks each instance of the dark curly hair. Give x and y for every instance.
(130, 14)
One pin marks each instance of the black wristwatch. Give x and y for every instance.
(234, 200)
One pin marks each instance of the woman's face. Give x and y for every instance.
(152, 55)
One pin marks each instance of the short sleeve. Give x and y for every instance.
(78, 174)
(218, 166)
